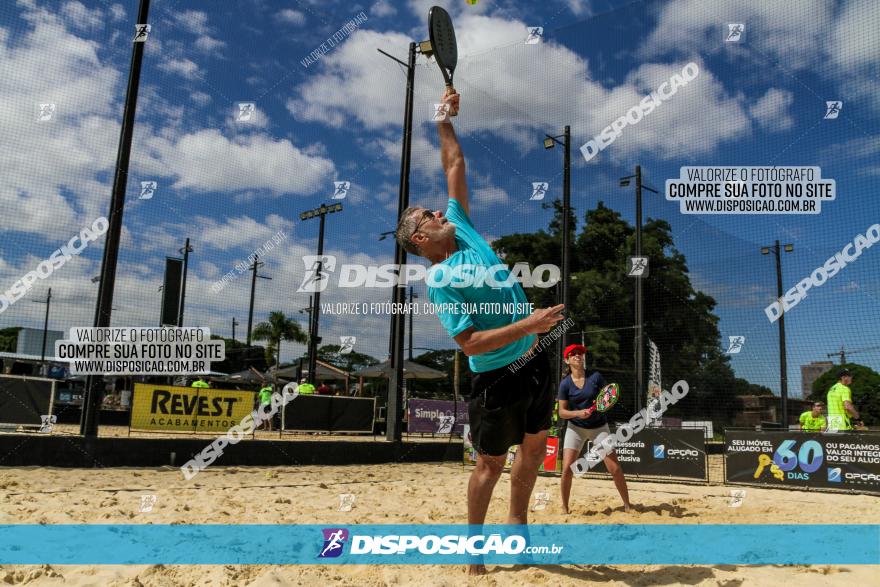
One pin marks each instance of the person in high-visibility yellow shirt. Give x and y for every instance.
(814, 421)
(841, 410)
(201, 383)
(306, 388)
(265, 400)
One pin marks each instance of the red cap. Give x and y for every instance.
(574, 348)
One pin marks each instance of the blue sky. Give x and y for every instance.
(231, 186)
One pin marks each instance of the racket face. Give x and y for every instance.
(607, 397)
(442, 36)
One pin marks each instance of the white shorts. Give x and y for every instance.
(576, 436)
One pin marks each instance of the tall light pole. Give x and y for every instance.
(254, 268)
(234, 324)
(783, 363)
(186, 250)
(549, 142)
(412, 295)
(319, 212)
(88, 425)
(48, 302)
(640, 306)
(394, 410)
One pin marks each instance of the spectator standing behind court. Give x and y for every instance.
(305, 388)
(841, 410)
(265, 400)
(323, 389)
(201, 383)
(814, 421)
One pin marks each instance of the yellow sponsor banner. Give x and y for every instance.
(188, 409)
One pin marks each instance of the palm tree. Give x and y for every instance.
(279, 327)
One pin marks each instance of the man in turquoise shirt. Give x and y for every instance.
(509, 406)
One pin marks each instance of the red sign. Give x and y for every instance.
(552, 453)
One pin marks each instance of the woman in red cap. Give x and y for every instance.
(577, 392)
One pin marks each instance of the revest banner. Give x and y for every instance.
(840, 460)
(188, 409)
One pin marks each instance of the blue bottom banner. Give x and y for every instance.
(653, 544)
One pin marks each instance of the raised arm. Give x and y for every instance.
(452, 158)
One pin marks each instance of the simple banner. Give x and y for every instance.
(661, 452)
(436, 416)
(188, 409)
(840, 460)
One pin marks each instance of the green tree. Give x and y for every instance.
(277, 328)
(865, 390)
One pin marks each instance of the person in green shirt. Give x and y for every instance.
(841, 410)
(265, 400)
(814, 421)
(201, 383)
(306, 388)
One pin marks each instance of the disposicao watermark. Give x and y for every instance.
(235, 434)
(319, 268)
(55, 261)
(820, 275)
(243, 266)
(634, 115)
(545, 341)
(605, 443)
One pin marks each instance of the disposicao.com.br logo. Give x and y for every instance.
(334, 540)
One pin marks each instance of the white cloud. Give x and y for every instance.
(382, 8)
(502, 83)
(249, 162)
(790, 32)
(208, 44)
(771, 110)
(200, 98)
(854, 52)
(241, 231)
(290, 16)
(579, 7)
(81, 17)
(196, 23)
(52, 165)
(184, 67)
(489, 196)
(117, 11)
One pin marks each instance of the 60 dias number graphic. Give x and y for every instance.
(809, 458)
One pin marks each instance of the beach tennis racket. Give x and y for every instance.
(443, 46)
(606, 399)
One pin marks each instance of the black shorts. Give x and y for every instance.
(507, 405)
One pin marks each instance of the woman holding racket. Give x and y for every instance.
(578, 393)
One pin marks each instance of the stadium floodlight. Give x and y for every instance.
(319, 212)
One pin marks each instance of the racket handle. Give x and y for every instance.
(451, 90)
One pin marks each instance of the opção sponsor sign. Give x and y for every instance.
(841, 460)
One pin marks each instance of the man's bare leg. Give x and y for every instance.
(482, 482)
(523, 474)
